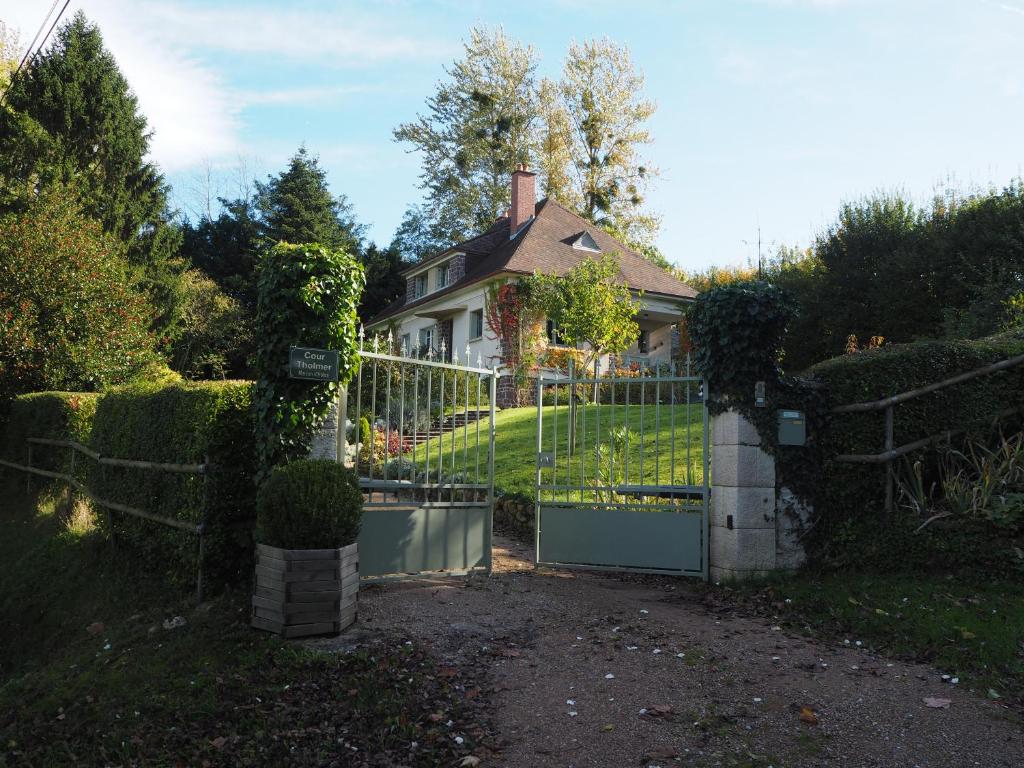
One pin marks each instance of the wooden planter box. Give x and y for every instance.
(301, 592)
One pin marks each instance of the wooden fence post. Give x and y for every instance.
(889, 443)
(70, 486)
(110, 512)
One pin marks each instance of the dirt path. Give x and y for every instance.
(587, 670)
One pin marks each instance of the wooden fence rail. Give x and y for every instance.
(197, 529)
(892, 452)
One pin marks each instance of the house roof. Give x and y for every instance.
(545, 244)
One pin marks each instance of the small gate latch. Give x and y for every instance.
(545, 459)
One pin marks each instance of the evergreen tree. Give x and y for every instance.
(71, 118)
(413, 238)
(384, 281)
(225, 248)
(297, 207)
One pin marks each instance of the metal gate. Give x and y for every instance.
(623, 470)
(422, 443)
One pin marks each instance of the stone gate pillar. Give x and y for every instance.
(324, 444)
(743, 530)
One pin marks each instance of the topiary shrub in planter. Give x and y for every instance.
(308, 514)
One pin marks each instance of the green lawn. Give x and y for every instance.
(970, 628)
(652, 460)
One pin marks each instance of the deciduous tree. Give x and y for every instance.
(69, 316)
(601, 92)
(478, 128)
(591, 307)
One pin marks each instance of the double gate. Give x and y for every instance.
(623, 471)
(422, 443)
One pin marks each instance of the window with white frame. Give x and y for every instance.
(426, 339)
(419, 286)
(476, 324)
(443, 274)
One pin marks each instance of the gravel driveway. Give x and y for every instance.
(591, 670)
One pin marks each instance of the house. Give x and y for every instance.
(445, 294)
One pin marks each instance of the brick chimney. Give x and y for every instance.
(524, 198)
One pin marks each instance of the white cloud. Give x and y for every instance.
(190, 111)
(195, 116)
(340, 37)
(310, 95)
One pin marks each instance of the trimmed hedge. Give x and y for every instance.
(54, 415)
(850, 499)
(309, 504)
(182, 423)
(874, 374)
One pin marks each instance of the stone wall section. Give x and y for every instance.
(743, 530)
(325, 440)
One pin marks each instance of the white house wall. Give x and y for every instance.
(463, 303)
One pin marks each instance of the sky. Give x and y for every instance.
(771, 113)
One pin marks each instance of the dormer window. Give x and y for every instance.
(584, 242)
(419, 286)
(443, 273)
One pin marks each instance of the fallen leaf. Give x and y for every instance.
(937, 703)
(472, 693)
(658, 710)
(808, 715)
(436, 717)
(447, 672)
(993, 693)
(469, 761)
(95, 628)
(219, 742)
(607, 728)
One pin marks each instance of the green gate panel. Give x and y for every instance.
(656, 540)
(409, 540)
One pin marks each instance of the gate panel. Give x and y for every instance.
(426, 467)
(415, 540)
(623, 473)
(657, 540)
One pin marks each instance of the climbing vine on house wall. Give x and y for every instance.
(515, 322)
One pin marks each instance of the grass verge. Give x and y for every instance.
(91, 676)
(972, 630)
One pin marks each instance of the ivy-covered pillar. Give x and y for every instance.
(737, 333)
(743, 529)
